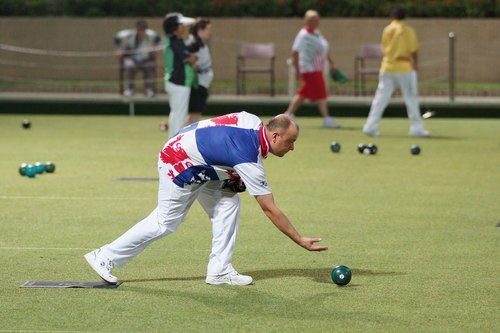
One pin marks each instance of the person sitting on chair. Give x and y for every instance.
(137, 52)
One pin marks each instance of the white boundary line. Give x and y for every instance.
(19, 248)
(23, 197)
(40, 331)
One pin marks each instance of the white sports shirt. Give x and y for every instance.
(219, 148)
(203, 62)
(313, 49)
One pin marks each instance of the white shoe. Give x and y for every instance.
(290, 114)
(149, 93)
(373, 133)
(101, 265)
(421, 133)
(232, 278)
(128, 92)
(329, 122)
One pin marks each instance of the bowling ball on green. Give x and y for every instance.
(40, 168)
(50, 167)
(22, 169)
(341, 275)
(30, 171)
(335, 147)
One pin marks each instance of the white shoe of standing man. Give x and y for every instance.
(329, 122)
(421, 133)
(128, 92)
(101, 265)
(373, 133)
(232, 278)
(290, 114)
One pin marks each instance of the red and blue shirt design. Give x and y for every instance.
(220, 148)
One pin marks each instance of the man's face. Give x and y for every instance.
(141, 33)
(284, 142)
(180, 30)
(314, 22)
(205, 34)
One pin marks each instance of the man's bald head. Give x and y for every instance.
(281, 133)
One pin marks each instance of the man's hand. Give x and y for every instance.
(236, 185)
(192, 60)
(338, 76)
(308, 244)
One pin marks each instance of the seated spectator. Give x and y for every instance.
(138, 52)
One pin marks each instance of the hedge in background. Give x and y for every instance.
(248, 8)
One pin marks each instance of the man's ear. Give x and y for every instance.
(274, 136)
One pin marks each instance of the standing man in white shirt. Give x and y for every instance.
(310, 51)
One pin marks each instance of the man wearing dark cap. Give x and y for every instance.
(399, 68)
(138, 50)
(179, 74)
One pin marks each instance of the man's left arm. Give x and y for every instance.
(414, 45)
(331, 62)
(156, 44)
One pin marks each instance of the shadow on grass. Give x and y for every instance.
(321, 306)
(319, 275)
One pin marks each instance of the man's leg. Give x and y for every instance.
(178, 97)
(173, 205)
(130, 72)
(148, 68)
(383, 94)
(294, 105)
(223, 208)
(409, 89)
(328, 121)
(323, 108)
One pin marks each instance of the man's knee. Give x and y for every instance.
(129, 64)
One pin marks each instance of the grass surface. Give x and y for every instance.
(417, 231)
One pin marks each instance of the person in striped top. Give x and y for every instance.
(310, 52)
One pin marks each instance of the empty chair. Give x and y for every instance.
(257, 54)
(369, 52)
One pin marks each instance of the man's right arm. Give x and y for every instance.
(295, 62)
(281, 222)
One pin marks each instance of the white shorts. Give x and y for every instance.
(178, 97)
